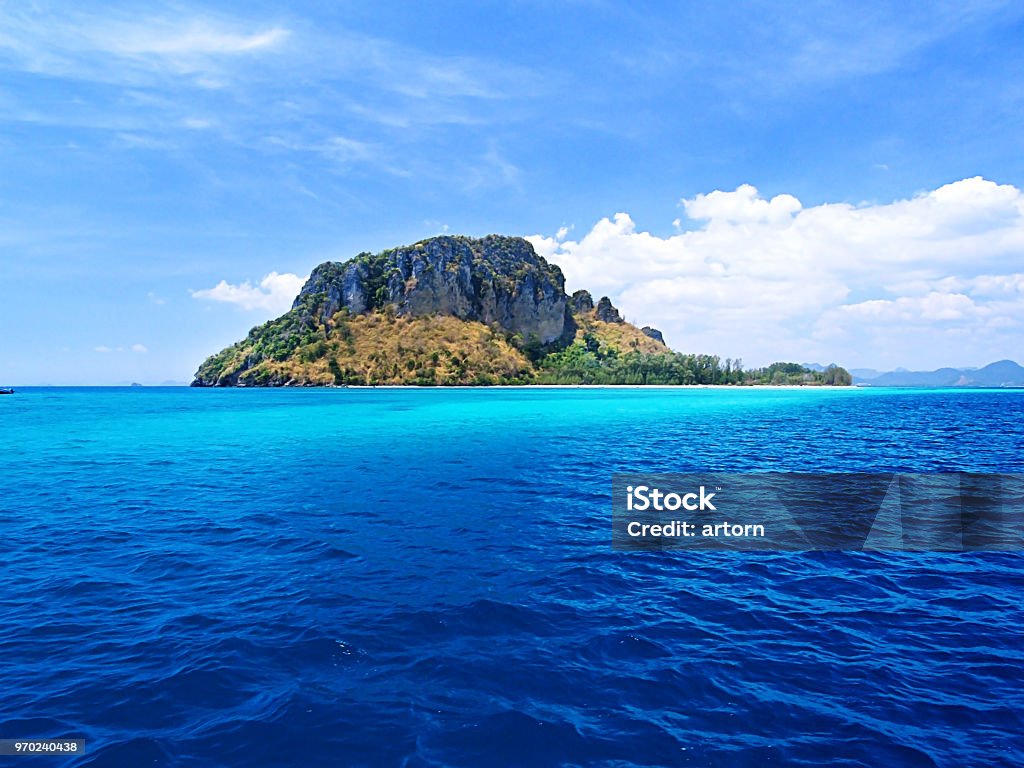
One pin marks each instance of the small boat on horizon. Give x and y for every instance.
(6, 390)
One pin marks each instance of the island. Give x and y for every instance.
(455, 310)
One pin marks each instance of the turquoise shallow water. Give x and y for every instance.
(425, 578)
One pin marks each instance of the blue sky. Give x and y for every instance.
(824, 181)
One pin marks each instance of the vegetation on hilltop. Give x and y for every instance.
(375, 348)
(589, 363)
(382, 348)
(620, 353)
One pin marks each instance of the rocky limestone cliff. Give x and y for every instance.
(494, 280)
(581, 301)
(654, 333)
(606, 313)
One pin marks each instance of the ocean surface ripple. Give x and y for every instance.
(425, 578)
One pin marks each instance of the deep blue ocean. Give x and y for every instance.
(391, 577)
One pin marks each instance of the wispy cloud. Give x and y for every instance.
(144, 141)
(116, 47)
(138, 349)
(340, 153)
(492, 169)
(169, 39)
(178, 78)
(755, 55)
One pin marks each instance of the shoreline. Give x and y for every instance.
(687, 387)
(566, 386)
(736, 387)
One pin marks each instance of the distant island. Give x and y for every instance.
(1004, 373)
(455, 310)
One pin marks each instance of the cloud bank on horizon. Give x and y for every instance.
(878, 285)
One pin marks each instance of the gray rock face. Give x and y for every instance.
(654, 333)
(339, 285)
(495, 280)
(606, 312)
(581, 301)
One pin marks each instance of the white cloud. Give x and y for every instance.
(743, 205)
(274, 293)
(934, 306)
(139, 348)
(934, 279)
(103, 349)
